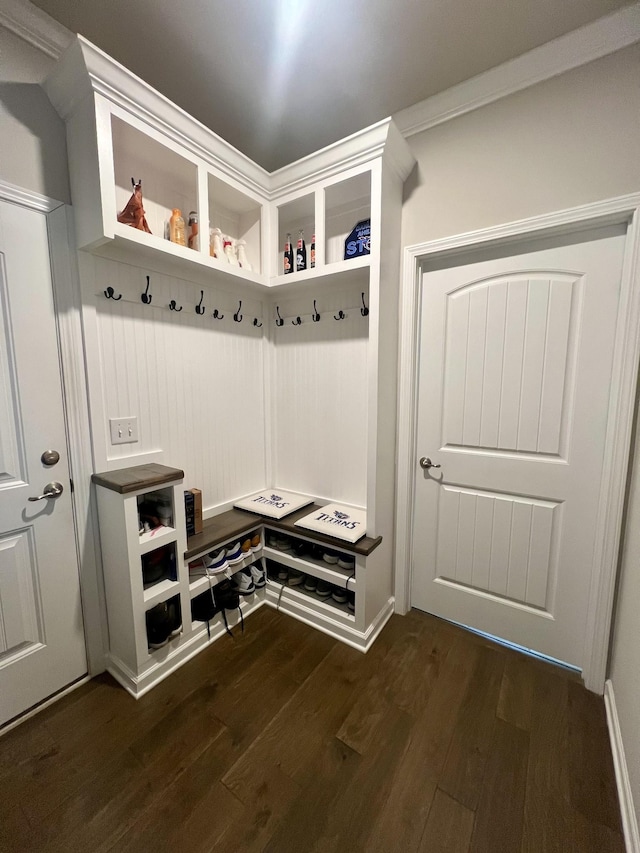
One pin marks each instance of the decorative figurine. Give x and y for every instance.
(133, 213)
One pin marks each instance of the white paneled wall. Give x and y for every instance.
(196, 384)
(320, 398)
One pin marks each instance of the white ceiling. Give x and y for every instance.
(279, 79)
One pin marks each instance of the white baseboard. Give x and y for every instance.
(627, 810)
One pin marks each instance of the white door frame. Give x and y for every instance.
(67, 303)
(624, 209)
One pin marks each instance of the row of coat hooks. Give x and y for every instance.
(315, 317)
(147, 298)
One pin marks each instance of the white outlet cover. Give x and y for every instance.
(123, 430)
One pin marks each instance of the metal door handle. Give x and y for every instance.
(51, 490)
(426, 463)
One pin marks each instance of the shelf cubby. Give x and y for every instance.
(168, 179)
(345, 203)
(237, 215)
(292, 217)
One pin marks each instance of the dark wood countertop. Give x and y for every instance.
(236, 522)
(148, 476)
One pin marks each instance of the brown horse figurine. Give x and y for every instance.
(133, 214)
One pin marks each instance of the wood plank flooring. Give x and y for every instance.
(286, 740)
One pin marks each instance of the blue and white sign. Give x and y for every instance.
(358, 243)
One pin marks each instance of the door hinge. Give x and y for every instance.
(71, 485)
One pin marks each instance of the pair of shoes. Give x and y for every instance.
(164, 622)
(258, 574)
(296, 577)
(345, 561)
(283, 543)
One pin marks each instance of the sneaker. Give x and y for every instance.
(347, 561)
(351, 603)
(216, 561)
(323, 589)
(339, 594)
(316, 551)
(296, 577)
(246, 548)
(283, 543)
(258, 575)
(282, 573)
(243, 582)
(330, 557)
(159, 625)
(256, 543)
(234, 554)
(310, 583)
(175, 619)
(300, 548)
(272, 540)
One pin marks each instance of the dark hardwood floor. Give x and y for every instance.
(286, 740)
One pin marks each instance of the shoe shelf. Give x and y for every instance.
(156, 537)
(309, 566)
(203, 583)
(281, 595)
(160, 592)
(217, 628)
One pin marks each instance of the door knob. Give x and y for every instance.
(426, 463)
(51, 490)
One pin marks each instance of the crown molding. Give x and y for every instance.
(586, 44)
(35, 27)
(27, 198)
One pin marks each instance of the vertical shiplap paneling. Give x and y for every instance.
(539, 555)
(555, 360)
(496, 543)
(195, 383)
(320, 411)
(455, 378)
(500, 546)
(447, 545)
(533, 364)
(512, 371)
(474, 383)
(493, 364)
(466, 538)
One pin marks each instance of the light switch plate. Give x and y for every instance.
(123, 430)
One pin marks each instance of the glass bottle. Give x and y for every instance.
(176, 228)
(301, 253)
(194, 238)
(288, 255)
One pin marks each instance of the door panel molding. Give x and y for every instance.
(623, 210)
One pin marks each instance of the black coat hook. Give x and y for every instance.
(110, 294)
(279, 321)
(315, 316)
(173, 306)
(296, 322)
(256, 323)
(146, 296)
(217, 315)
(364, 310)
(200, 306)
(341, 315)
(238, 316)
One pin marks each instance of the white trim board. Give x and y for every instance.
(35, 27)
(625, 797)
(579, 47)
(625, 209)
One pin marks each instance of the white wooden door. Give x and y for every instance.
(513, 395)
(41, 633)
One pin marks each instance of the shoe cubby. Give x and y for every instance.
(200, 579)
(306, 594)
(310, 560)
(163, 623)
(346, 203)
(159, 566)
(169, 181)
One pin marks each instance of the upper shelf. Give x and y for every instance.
(119, 129)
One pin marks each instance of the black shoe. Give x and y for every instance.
(159, 625)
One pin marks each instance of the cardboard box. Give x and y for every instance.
(197, 509)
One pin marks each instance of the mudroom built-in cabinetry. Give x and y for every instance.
(243, 378)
